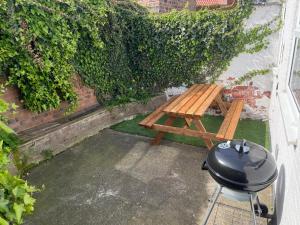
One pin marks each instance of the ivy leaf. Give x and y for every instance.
(14, 106)
(3, 221)
(28, 200)
(3, 205)
(18, 208)
(18, 192)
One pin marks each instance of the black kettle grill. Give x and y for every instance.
(241, 169)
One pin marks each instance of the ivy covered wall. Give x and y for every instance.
(120, 49)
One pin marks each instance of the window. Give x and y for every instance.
(294, 82)
(288, 76)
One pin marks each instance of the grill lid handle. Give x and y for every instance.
(243, 148)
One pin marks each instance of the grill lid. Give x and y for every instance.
(241, 165)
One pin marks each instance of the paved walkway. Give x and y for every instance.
(119, 179)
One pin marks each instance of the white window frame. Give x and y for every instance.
(296, 41)
(288, 105)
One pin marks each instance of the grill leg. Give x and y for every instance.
(258, 206)
(252, 209)
(214, 200)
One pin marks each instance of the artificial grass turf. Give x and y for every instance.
(252, 130)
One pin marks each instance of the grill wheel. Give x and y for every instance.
(264, 210)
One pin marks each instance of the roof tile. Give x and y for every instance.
(211, 2)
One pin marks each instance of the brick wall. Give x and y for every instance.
(211, 2)
(152, 5)
(167, 5)
(161, 6)
(24, 119)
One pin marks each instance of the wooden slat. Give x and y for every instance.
(182, 96)
(226, 121)
(180, 115)
(186, 98)
(183, 131)
(234, 121)
(214, 104)
(230, 122)
(201, 110)
(192, 100)
(155, 115)
(200, 100)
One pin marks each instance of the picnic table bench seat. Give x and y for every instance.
(231, 120)
(156, 115)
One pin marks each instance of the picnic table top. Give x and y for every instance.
(194, 101)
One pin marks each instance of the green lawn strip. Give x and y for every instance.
(267, 137)
(252, 130)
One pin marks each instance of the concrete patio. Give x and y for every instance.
(116, 179)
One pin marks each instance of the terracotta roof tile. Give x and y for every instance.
(211, 2)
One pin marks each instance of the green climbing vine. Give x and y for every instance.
(38, 42)
(120, 49)
(249, 75)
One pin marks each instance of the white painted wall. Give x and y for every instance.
(264, 59)
(285, 127)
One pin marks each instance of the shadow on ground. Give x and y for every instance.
(119, 179)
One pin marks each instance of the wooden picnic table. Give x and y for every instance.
(191, 106)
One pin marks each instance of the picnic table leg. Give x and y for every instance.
(221, 104)
(201, 128)
(160, 134)
(188, 122)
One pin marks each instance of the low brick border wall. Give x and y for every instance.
(48, 143)
(24, 119)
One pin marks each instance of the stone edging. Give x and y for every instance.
(46, 144)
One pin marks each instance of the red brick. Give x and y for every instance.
(248, 93)
(25, 119)
(167, 5)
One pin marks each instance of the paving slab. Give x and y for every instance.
(114, 178)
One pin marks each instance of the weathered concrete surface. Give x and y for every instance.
(43, 142)
(119, 179)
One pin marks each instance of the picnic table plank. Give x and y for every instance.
(226, 121)
(183, 131)
(174, 103)
(200, 100)
(154, 116)
(186, 98)
(210, 98)
(230, 122)
(235, 119)
(192, 100)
